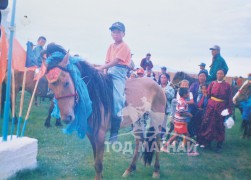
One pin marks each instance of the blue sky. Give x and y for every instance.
(178, 33)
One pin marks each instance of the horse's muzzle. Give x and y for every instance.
(67, 119)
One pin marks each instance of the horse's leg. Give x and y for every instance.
(92, 141)
(156, 173)
(58, 122)
(47, 122)
(132, 166)
(99, 155)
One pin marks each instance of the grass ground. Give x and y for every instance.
(63, 156)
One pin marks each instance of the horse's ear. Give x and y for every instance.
(65, 61)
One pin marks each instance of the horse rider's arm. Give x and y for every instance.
(108, 65)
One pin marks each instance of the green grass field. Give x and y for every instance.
(63, 156)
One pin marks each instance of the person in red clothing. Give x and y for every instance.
(240, 81)
(146, 63)
(140, 73)
(220, 98)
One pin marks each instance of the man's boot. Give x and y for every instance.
(115, 125)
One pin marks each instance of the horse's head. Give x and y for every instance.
(178, 77)
(61, 83)
(243, 93)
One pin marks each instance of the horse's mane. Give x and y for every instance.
(100, 89)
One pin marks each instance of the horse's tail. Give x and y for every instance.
(149, 146)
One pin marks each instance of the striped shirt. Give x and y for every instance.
(181, 107)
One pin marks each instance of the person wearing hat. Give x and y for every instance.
(118, 59)
(217, 63)
(146, 63)
(202, 68)
(140, 72)
(163, 71)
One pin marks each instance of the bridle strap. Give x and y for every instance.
(240, 91)
(66, 96)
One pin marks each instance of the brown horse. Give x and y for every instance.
(29, 84)
(42, 88)
(142, 96)
(41, 91)
(179, 76)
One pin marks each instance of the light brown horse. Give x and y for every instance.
(142, 96)
(243, 94)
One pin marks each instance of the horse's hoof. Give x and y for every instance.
(148, 164)
(58, 124)
(126, 173)
(156, 175)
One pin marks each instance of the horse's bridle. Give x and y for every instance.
(242, 93)
(75, 95)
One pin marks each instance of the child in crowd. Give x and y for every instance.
(204, 99)
(180, 118)
(202, 104)
(189, 100)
